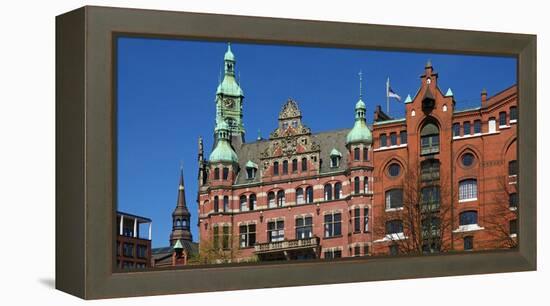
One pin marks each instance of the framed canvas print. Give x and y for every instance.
(200, 152)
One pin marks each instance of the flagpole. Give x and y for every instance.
(388, 97)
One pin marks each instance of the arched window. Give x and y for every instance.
(271, 199)
(356, 185)
(468, 217)
(252, 202)
(276, 168)
(216, 204)
(225, 203)
(184, 224)
(178, 223)
(467, 190)
(280, 198)
(328, 192)
(366, 184)
(294, 165)
(394, 198)
(216, 173)
(429, 139)
(337, 191)
(300, 196)
(225, 173)
(356, 154)
(285, 167)
(243, 204)
(304, 164)
(309, 194)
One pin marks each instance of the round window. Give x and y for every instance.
(468, 159)
(394, 169)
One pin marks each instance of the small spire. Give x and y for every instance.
(181, 185)
(360, 84)
(178, 245)
(484, 91)
(259, 135)
(408, 99)
(429, 63)
(449, 93)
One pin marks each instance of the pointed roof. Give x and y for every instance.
(408, 99)
(178, 245)
(335, 152)
(229, 56)
(449, 93)
(290, 110)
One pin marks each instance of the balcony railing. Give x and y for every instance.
(287, 244)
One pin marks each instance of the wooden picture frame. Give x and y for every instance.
(85, 150)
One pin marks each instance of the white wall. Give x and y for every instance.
(27, 150)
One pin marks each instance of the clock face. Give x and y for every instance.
(227, 102)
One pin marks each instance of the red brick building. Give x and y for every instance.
(437, 180)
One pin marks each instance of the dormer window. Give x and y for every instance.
(251, 170)
(335, 157)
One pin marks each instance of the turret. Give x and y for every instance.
(359, 138)
(181, 216)
(223, 160)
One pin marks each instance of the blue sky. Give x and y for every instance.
(166, 92)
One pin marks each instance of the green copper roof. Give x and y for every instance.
(335, 152)
(360, 104)
(228, 54)
(359, 133)
(178, 245)
(223, 153)
(449, 93)
(230, 87)
(408, 99)
(250, 164)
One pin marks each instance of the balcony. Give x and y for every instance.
(288, 249)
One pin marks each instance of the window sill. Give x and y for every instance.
(392, 237)
(467, 200)
(513, 235)
(394, 209)
(512, 121)
(513, 208)
(468, 228)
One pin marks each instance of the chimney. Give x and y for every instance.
(484, 98)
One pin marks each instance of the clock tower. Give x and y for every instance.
(229, 100)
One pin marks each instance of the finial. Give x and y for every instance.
(360, 84)
(228, 46)
(484, 91)
(429, 63)
(259, 135)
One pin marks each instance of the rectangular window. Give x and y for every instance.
(304, 227)
(276, 230)
(365, 154)
(502, 118)
(304, 164)
(467, 130)
(357, 250)
(285, 167)
(430, 198)
(128, 250)
(477, 127)
(225, 173)
(513, 167)
(492, 125)
(366, 250)
(225, 237)
(141, 251)
(216, 236)
(225, 203)
(356, 152)
(468, 217)
(333, 225)
(366, 219)
(394, 227)
(394, 198)
(247, 235)
(513, 227)
(403, 136)
(276, 168)
(468, 243)
(357, 220)
(456, 129)
(467, 190)
(216, 173)
(250, 173)
(513, 200)
(394, 249)
(429, 144)
(294, 165)
(383, 140)
(331, 254)
(513, 113)
(393, 139)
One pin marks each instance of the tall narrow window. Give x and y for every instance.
(394, 198)
(276, 168)
(280, 198)
(502, 118)
(366, 220)
(513, 114)
(300, 196)
(365, 153)
(225, 237)
(243, 203)
(357, 220)
(294, 165)
(333, 225)
(393, 139)
(276, 231)
(513, 167)
(304, 227)
(309, 194)
(467, 190)
(285, 167)
(356, 154)
(513, 200)
(356, 185)
(216, 236)
(252, 202)
(383, 140)
(357, 250)
(492, 125)
(337, 191)
(366, 184)
(225, 173)
(403, 136)
(513, 227)
(430, 198)
(247, 235)
(477, 127)
(456, 129)
(429, 139)
(394, 249)
(225, 203)
(328, 192)
(216, 204)
(304, 164)
(467, 129)
(216, 173)
(468, 243)
(271, 199)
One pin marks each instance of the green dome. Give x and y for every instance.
(230, 87)
(223, 153)
(228, 54)
(360, 104)
(359, 133)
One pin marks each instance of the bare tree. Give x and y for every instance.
(423, 223)
(220, 250)
(500, 215)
